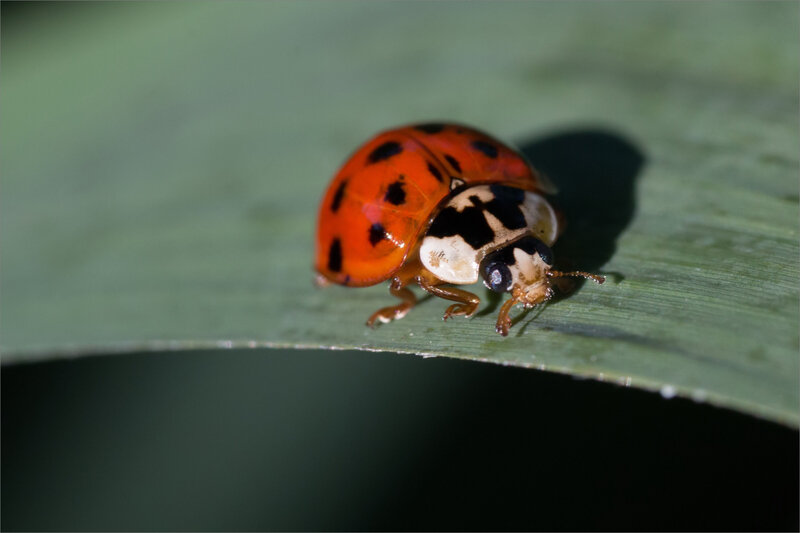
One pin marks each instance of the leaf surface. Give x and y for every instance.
(162, 166)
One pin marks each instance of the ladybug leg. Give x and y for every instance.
(387, 314)
(467, 302)
(503, 320)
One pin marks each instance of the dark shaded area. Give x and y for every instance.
(17, 14)
(22, 17)
(595, 171)
(271, 440)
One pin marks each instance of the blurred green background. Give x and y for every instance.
(162, 163)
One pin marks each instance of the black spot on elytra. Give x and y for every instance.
(470, 224)
(335, 256)
(385, 151)
(489, 150)
(337, 198)
(395, 194)
(453, 163)
(433, 127)
(435, 171)
(376, 234)
(506, 206)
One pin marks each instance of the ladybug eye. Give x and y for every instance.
(497, 276)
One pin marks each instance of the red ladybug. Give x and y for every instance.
(439, 205)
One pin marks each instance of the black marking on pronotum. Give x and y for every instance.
(476, 201)
(505, 206)
(528, 244)
(337, 198)
(453, 163)
(531, 244)
(489, 150)
(335, 256)
(395, 193)
(376, 234)
(470, 224)
(385, 151)
(433, 127)
(509, 193)
(435, 171)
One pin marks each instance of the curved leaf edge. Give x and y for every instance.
(667, 391)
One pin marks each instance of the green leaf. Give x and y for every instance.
(162, 165)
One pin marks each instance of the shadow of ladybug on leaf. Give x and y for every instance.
(595, 172)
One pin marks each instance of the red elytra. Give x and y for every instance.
(394, 182)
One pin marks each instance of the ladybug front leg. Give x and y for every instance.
(503, 320)
(467, 302)
(387, 314)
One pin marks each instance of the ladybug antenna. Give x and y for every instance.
(576, 274)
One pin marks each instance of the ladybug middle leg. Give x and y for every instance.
(467, 302)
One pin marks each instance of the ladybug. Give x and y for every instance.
(438, 205)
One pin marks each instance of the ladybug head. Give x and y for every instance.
(523, 268)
